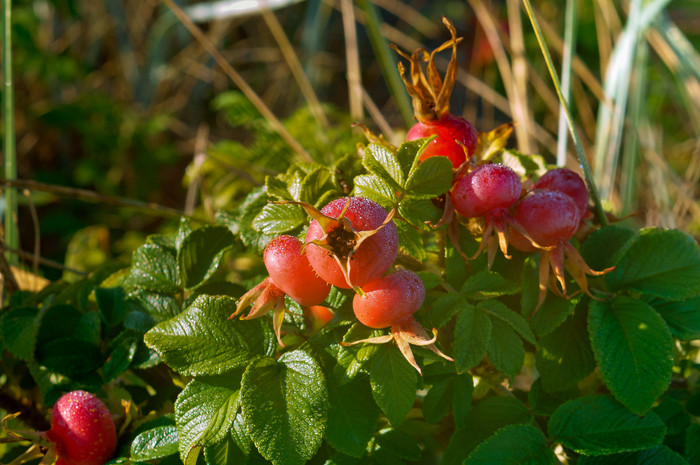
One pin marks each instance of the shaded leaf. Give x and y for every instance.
(516, 445)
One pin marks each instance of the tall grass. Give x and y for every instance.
(9, 145)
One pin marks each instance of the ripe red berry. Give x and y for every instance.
(451, 131)
(550, 217)
(82, 429)
(389, 300)
(567, 182)
(290, 270)
(486, 189)
(370, 255)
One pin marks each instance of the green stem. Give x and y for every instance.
(387, 62)
(566, 65)
(9, 148)
(600, 213)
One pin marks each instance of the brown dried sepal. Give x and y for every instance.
(405, 333)
(429, 93)
(264, 297)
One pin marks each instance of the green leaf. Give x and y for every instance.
(661, 263)
(437, 402)
(682, 317)
(659, 455)
(159, 306)
(505, 349)
(487, 285)
(384, 164)
(202, 341)
(201, 252)
(394, 382)
(121, 356)
(20, 327)
(275, 219)
(429, 179)
(634, 350)
(692, 443)
(155, 268)
(225, 452)
(352, 359)
(408, 154)
(399, 444)
(69, 356)
(471, 337)
(155, 443)
(285, 406)
(599, 425)
(315, 184)
(276, 188)
(410, 241)
(112, 304)
(462, 398)
(241, 220)
(417, 211)
(496, 309)
(604, 246)
(565, 356)
(516, 445)
(484, 419)
(352, 416)
(375, 188)
(205, 411)
(545, 403)
(553, 311)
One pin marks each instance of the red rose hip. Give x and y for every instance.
(485, 190)
(389, 300)
(550, 217)
(82, 429)
(290, 270)
(454, 135)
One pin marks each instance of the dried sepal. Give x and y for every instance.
(430, 94)
(263, 298)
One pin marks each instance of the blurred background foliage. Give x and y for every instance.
(119, 98)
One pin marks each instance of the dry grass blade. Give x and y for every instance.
(239, 81)
(294, 65)
(518, 107)
(352, 59)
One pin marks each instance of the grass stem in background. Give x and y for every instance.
(387, 61)
(9, 146)
(570, 26)
(600, 213)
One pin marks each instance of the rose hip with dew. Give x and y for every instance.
(355, 245)
(567, 182)
(486, 189)
(390, 302)
(455, 139)
(289, 268)
(82, 429)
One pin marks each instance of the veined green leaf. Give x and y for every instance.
(384, 164)
(431, 178)
(515, 445)
(659, 455)
(19, 328)
(408, 153)
(394, 383)
(565, 356)
(374, 188)
(201, 252)
(661, 263)
(398, 444)
(410, 240)
(204, 414)
(484, 419)
(505, 348)
(488, 284)
(225, 452)
(471, 337)
(275, 219)
(202, 341)
(352, 416)
(285, 406)
(599, 425)
(155, 268)
(155, 443)
(682, 317)
(634, 350)
(497, 309)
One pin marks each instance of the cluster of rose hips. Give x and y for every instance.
(351, 243)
